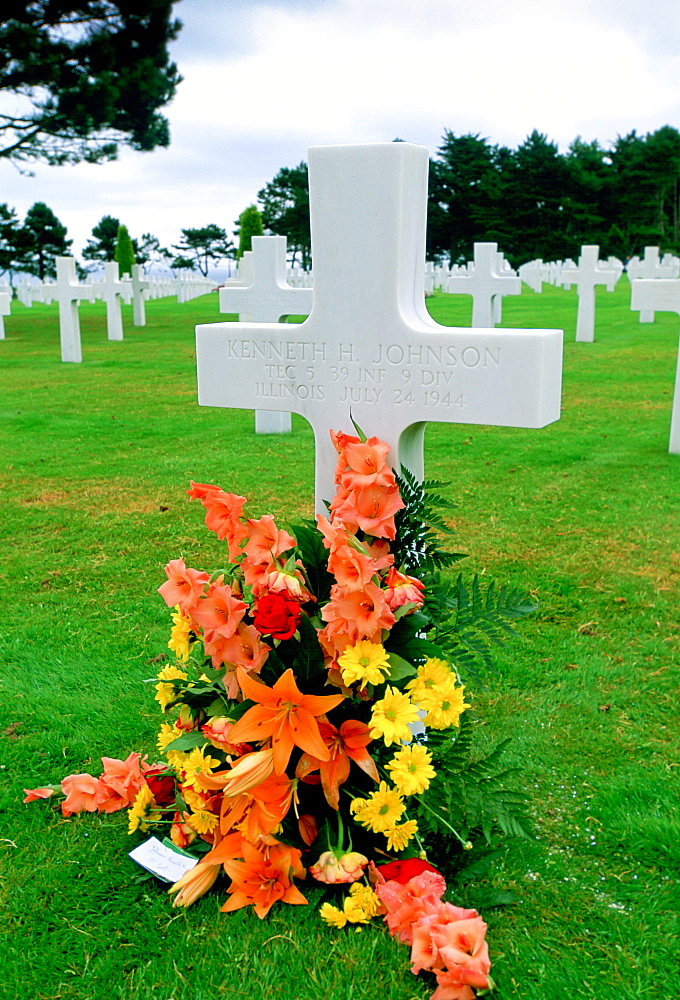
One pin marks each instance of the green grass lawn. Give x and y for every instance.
(584, 514)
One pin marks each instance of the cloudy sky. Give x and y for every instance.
(265, 79)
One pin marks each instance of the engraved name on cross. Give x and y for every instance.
(369, 345)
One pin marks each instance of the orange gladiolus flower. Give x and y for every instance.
(371, 508)
(284, 714)
(262, 878)
(244, 648)
(33, 794)
(83, 794)
(360, 614)
(184, 585)
(347, 743)
(219, 613)
(265, 540)
(223, 514)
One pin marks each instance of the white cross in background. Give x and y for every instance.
(5, 299)
(139, 286)
(68, 293)
(264, 297)
(486, 283)
(588, 273)
(111, 290)
(662, 295)
(650, 267)
(369, 347)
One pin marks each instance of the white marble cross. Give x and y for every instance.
(111, 290)
(369, 349)
(5, 299)
(650, 266)
(588, 273)
(662, 295)
(486, 283)
(68, 293)
(139, 286)
(265, 297)
(268, 296)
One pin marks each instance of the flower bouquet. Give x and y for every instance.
(304, 710)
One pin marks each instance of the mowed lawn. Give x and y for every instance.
(95, 460)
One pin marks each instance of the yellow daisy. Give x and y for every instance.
(391, 716)
(332, 915)
(165, 692)
(381, 810)
(181, 636)
(195, 764)
(166, 735)
(399, 836)
(428, 676)
(445, 706)
(142, 814)
(364, 662)
(411, 769)
(361, 904)
(203, 821)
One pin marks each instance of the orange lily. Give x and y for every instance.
(286, 715)
(347, 743)
(262, 878)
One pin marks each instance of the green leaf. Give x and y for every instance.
(399, 668)
(187, 741)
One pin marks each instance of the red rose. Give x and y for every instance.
(403, 871)
(162, 785)
(276, 616)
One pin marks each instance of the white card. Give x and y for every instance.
(161, 860)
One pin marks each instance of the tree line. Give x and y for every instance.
(533, 201)
(30, 247)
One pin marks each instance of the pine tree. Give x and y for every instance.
(249, 225)
(125, 252)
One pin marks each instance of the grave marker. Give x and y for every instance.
(486, 283)
(111, 290)
(139, 286)
(650, 266)
(662, 295)
(68, 292)
(588, 273)
(369, 347)
(5, 299)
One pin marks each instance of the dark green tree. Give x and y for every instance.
(647, 188)
(285, 210)
(180, 263)
(9, 232)
(458, 196)
(86, 77)
(41, 239)
(524, 210)
(124, 253)
(103, 246)
(203, 246)
(249, 224)
(589, 204)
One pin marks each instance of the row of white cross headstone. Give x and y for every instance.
(68, 292)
